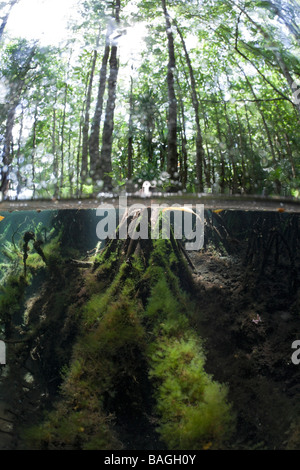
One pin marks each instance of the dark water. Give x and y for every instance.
(246, 291)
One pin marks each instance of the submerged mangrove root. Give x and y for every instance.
(27, 237)
(271, 246)
(137, 359)
(81, 264)
(30, 236)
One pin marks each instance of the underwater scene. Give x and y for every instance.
(136, 343)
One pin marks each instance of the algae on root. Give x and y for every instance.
(137, 359)
(193, 408)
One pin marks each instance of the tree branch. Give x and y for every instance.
(256, 68)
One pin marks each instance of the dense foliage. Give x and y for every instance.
(195, 95)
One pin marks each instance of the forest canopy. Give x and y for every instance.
(196, 96)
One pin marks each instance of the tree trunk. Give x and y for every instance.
(184, 167)
(172, 116)
(286, 13)
(184, 153)
(285, 71)
(130, 133)
(107, 136)
(290, 155)
(18, 155)
(62, 137)
(230, 141)
(34, 150)
(70, 169)
(5, 18)
(78, 182)
(54, 149)
(8, 151)
(248, 127)
(105, 163)
(200, 153)
(209, 164)
(222, 161)
(243, 150)
(95, 128)
(86, 123)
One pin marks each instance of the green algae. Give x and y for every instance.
(132, 352)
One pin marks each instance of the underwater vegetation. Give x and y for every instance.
(119, 343)
(133, 356)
